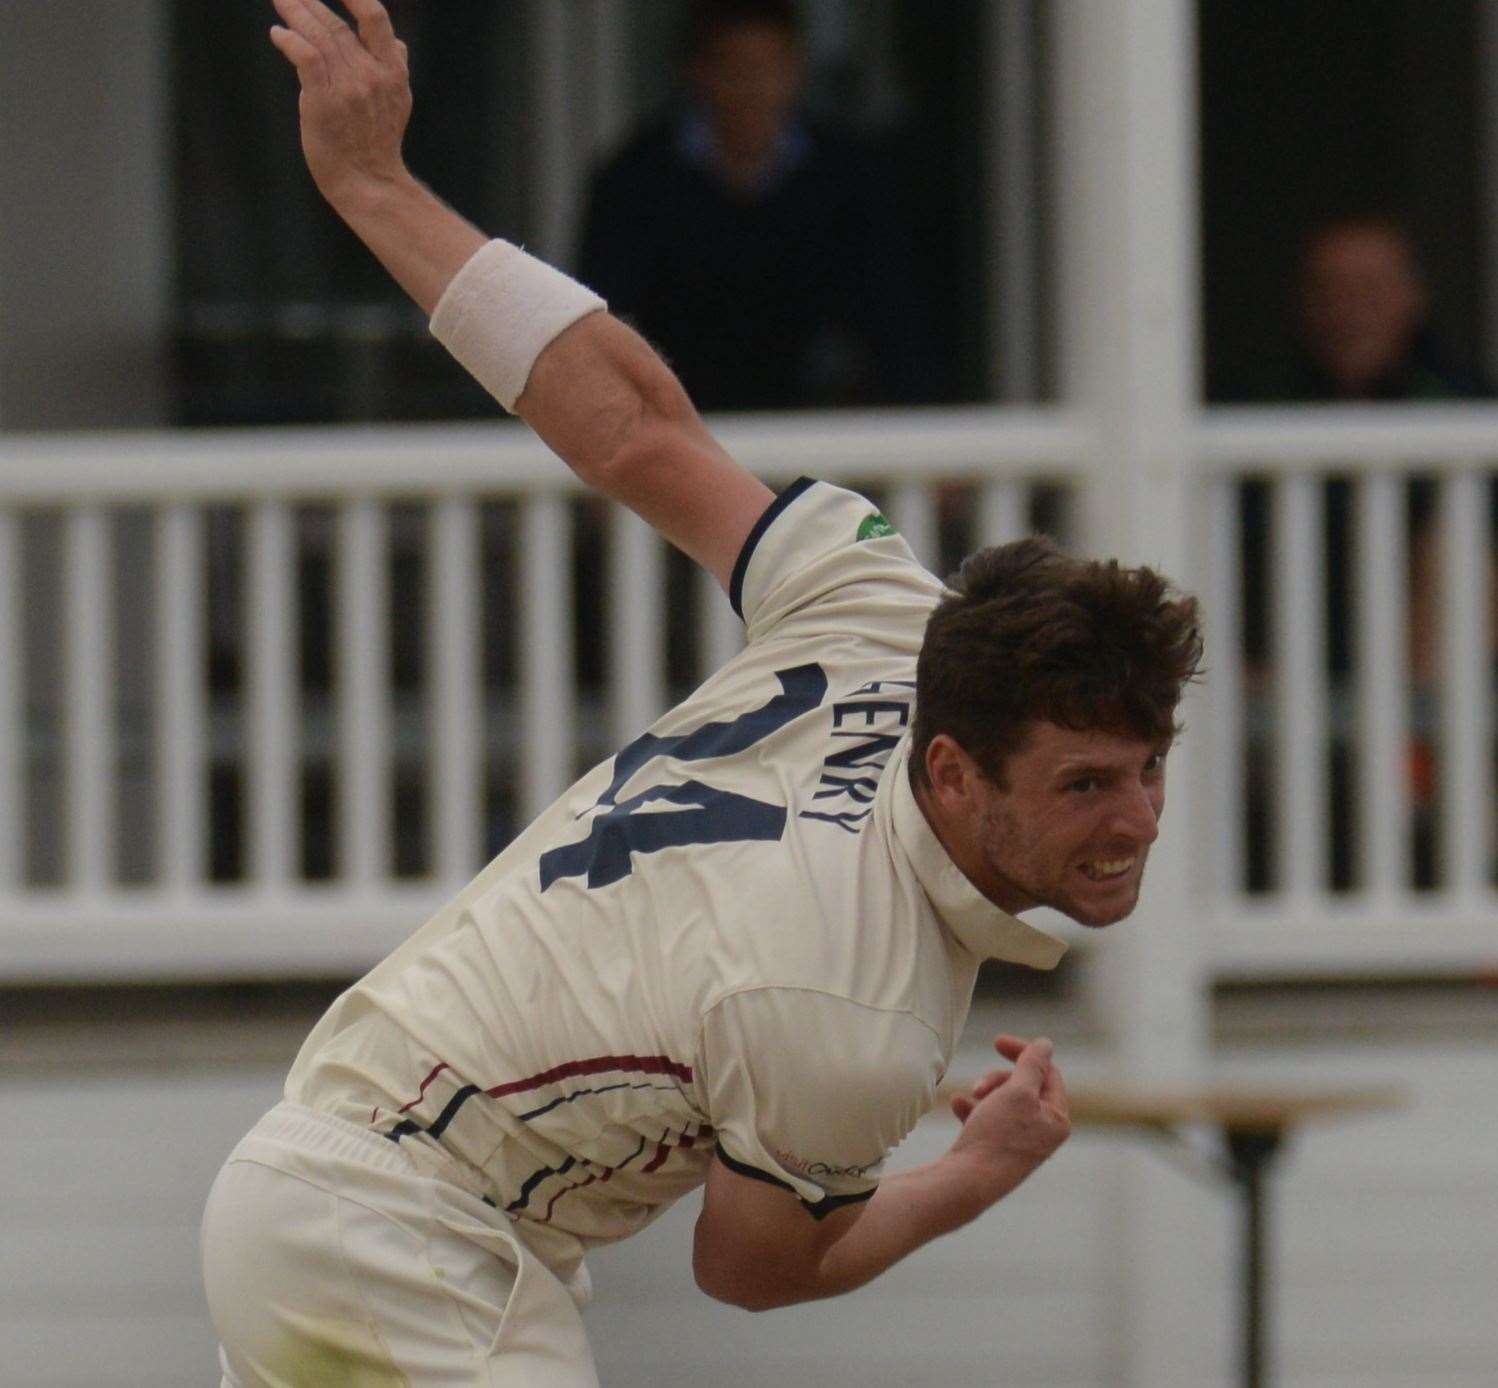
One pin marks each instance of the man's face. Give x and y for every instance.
(749, 79)
(1361, 303)
(1072, 825)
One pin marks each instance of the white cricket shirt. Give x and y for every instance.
(739, 934)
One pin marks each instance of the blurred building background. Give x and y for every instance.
(293, 634)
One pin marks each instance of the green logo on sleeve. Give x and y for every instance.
(875, 526)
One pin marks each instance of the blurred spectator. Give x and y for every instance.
(763, 254)
(1361, 318)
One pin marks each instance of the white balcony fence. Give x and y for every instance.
(267, 698)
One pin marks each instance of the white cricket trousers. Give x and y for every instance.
(331, 1256)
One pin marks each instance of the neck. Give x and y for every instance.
(962, 848)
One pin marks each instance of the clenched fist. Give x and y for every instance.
(1012, 1120)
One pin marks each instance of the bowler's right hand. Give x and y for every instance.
(1012, 1120)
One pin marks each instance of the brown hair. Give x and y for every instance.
(1031, 634)
(706, 19)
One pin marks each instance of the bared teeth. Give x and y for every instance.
(1109, 867)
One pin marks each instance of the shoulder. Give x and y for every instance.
(1434, 373)
(816, 541)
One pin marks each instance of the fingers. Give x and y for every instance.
(1034, 1068)
(1009, 1046)
(1033, 1064)
(1053, 1090)
(302, 41)
(988, 1083)
(293, 47)
(331, 39)
(300, 16)
(376, 30)
(313, 12)
(964, 1104)
(1013, 1047)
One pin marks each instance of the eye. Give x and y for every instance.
(1156, 762)
(1082, 785)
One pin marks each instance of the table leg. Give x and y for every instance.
(1251, 1150)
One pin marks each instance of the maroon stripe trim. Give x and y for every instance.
(594, 1065)
(436, 1070)
(662, 1151)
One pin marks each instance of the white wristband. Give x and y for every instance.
(500, 312)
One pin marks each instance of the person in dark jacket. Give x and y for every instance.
(764, 255)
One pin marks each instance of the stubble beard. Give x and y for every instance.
(1008, 853)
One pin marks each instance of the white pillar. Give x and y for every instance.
(1130, 357)
(1125, 83)
(1014, 262)
(611, 107)
(558, 169)
(84, 213)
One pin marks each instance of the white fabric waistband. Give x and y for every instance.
(311, 1131)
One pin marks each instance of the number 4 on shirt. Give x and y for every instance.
(713, 816)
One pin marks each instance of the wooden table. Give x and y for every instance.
(1253, 1123)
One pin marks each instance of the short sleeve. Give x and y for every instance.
(810, 1091)
(816, 542)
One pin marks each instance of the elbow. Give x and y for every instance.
(643, 448)
(716, 1282)
(748, 1299)
(640, 421)
(740, 1287)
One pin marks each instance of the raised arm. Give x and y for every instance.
(598, 395)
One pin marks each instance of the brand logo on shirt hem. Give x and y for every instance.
(821, 1168)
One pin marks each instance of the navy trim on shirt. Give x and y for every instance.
(741, 565)
(818, 1209)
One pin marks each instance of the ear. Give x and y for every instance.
(949, 770)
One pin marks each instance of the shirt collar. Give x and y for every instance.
(982, 927)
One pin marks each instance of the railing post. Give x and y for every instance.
(13, 820)
(92, 758)
(1124, 82)
(362, 586)
(546, 746)
(455, 709)
(272, 742)
(181, 699)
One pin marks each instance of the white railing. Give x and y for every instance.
(1412, 739)
(1316, 852)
